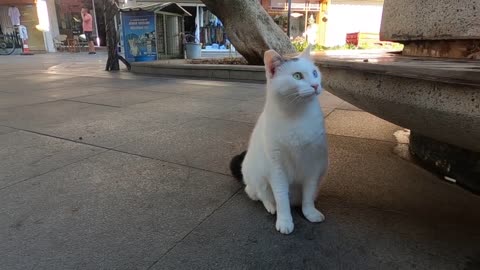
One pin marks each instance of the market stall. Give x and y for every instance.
(152, 31)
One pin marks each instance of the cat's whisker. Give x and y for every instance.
(293, 101)
(297, 99)
(291, 95)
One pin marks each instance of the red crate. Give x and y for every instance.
(362, 38)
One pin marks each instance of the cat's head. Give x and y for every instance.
(292, 78)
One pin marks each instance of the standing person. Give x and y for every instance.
(87, 23)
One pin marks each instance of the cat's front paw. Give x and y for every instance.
(270, 207)
(313, 215)
(284, 226)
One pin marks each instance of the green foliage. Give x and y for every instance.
(299, 43)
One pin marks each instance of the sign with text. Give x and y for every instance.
(139, 36)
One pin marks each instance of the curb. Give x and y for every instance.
(204, 71)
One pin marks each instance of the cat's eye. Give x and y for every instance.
(315, 74)
(297, 76)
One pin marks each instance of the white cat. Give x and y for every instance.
(287, 153)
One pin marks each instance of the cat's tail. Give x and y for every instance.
(236, 165)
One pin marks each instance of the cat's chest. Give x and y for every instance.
(301, 135)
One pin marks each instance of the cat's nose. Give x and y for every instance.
(315, 86)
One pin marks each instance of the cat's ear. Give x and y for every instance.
(272, 61)
(306, 52)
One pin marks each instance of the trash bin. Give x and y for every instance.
(193, 50)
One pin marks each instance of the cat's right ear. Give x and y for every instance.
(272, 61)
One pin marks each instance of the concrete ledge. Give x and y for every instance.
(408, 20)
(445, 109)
(465, 72)
(178, 68)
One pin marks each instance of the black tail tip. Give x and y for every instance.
(236, 165)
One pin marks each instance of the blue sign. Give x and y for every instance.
(139, 36)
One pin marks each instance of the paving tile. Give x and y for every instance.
(9, 100)
(329, 100)
(243, 111)
(34, 116)
(200, 106)
(112, 211)
(204, 143)
(118, 126)
(46, 83)
(347, 106)
(25, 155)
(360, 124)
(5, 130)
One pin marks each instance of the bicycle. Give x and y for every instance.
(8, 42)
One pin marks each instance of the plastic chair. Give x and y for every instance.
(59, 42)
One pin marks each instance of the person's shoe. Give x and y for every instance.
(92, 52)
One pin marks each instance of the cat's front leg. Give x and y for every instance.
(279, 184)
(309, 191)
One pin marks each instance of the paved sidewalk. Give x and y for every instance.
(118, 171)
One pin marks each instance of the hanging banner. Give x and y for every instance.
(139, 36)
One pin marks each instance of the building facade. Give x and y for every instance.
(323, 22)
(31, 14)
(46, 20)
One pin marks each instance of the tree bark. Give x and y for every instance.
(250, 29)
(110, 10)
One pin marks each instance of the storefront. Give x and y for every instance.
(70, 20)
(326, 22)
(202, 26)
(350, 16)
(24, 12)
(307, 17)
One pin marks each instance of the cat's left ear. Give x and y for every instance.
(306, 52)
(272, 61)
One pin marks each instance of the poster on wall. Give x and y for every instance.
(139, 36)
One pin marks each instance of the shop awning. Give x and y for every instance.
(165, 7)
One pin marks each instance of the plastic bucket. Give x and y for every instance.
(193, 50)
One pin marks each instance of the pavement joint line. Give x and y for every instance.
(66, 99)
(51, 170)
(229, 120)
(195, 227)
(120, 151)
(25, 105)
(91, 103)
(39, 103)
(326, 115)
(352, 110)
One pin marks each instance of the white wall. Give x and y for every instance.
(53, 29)
(348, 18)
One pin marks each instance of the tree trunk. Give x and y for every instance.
(110, 10)
(250, 29)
